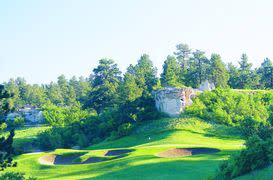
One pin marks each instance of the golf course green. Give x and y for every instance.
(142, 162)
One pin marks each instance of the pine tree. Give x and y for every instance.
(266, 73)
(182, 54)
(198, 69)
(105, 85)
(233, 76)
(245, 73)
(6, 149)
(218, 73)
(171, 71)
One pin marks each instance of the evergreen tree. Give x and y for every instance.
(129, 90)
(183, 55)
(171, 71)
(139, 80)
(233, 71)
(12, 88)
(54, 94)
(198, 69)
(245, 73)
(145, 74)
(266, 73)
(6, 149)
(105, 85)
(218, 73)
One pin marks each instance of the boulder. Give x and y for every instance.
(206, 86)
(173, 101)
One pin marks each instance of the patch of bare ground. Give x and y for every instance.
(180, 152)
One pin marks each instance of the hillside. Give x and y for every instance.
(262, 174)
(143, 162)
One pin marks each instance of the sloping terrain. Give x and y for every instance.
(142, 161)
(263, 174)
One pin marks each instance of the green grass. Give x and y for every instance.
(147, 140)
(262, 174)
(24, 136)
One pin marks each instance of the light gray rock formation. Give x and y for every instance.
(206, 86)
(31, 114)
(173, 101)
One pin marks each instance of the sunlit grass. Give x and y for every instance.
(142, 163)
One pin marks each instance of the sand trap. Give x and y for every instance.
(66, 159)
(180, 152)
(69, 160)
(59, 159)
(92, 160)
(117, 152)
(54, 159)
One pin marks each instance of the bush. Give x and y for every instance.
(257, 154)
(63, 116)
(250, 127)
(3, 126)
(230, 107)
(125, 129)
(16, 122)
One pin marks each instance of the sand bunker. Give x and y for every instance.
(117, 152)
(70, 159)
(66, 159)
(180, 152)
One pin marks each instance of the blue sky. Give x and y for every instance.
(40, 40)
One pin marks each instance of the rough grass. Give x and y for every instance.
(24, 137)
(263, 174)
(142, 163)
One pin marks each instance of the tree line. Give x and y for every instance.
(184, 68)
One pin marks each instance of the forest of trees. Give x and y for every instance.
(184, 68)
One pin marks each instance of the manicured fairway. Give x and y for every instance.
(142, 163)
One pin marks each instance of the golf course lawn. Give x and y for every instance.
(142, 163)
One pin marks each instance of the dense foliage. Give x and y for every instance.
(232, 107)
(257, 154)
(6, 149)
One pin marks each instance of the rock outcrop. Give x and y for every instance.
(32, 115)
(173, 101)
(206, 86)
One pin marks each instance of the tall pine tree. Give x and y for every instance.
(218, 72)
(6, 149)
(171, 71)
(105, 85)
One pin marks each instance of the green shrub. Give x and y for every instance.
(16, 122)
(230, 107)
(257, 154)
(3, 126)
(125, 129)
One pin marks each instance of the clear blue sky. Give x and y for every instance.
(40, 40)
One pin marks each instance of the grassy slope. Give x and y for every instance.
(149, 139)
(25, 135)
(263, 174)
